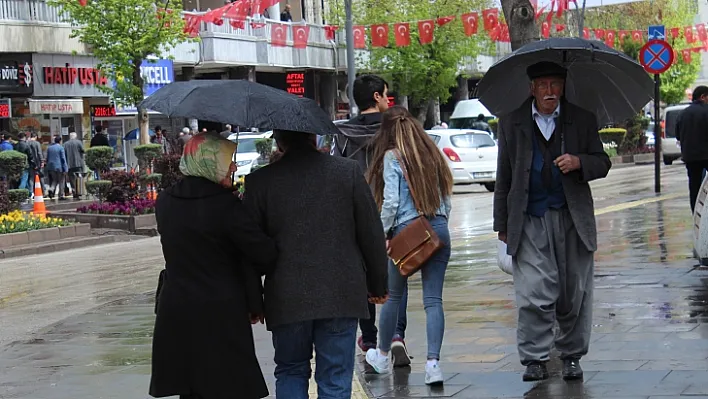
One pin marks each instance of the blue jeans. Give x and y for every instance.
(24, 180)
(433, 276)
(368, 326)
(334, 341)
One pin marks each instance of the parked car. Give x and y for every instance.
(466, 113)
(670, 148)
(471, 155)
(649, 133)
(246, 155)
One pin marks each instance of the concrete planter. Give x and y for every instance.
(43, 235)
(644, 159)
(621, 159)
(117, 222)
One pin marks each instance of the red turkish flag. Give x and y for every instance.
(470, 22)
(560, 27)
(638, 36)
(702, 36)
(442, 21)
(301, 34)
(236, 11)
(599, 34)
(705, 46)
(623, 35)
(215, 16)
(495, 33)
(686, 56)
(359, 36)
(402, 32)
(688, 34)
(426, 29)
(83, 3)
(278, 35)
(505, 36)
(540, 12)
(258, 25)
(379, 35)
(491, 18)
(329, 31)
(674, 32)
(586, 33)
(546, 29)
(192, 24)
(610, 36)
(534, 4)
(260, 6)
(237, 24)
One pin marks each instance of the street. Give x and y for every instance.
(78, 324)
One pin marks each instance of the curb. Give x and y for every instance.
(62, 245)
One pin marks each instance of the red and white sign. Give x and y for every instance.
(301, 34)
(491, 18)
(402, 32)
(68, 75)
(57, 107)
(426, 30)
(278, 35)
(295, 83)
(470, 22)
(379, 35)
(359, 36)
(5, 108)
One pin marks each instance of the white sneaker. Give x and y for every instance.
(380, 363)
(433, 374)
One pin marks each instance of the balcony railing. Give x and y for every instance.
(30, 11)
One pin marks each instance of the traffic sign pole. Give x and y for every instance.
(657, 133)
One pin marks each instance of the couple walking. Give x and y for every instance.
(312, 225)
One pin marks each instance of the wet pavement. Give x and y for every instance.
(78, 324)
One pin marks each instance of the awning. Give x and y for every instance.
(133, 134)
(57, 107)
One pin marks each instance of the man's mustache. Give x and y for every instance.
(550, 98)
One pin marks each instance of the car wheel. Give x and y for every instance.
(668, 161)
(489, 187)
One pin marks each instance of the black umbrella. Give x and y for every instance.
(241, 103)
(600, 79)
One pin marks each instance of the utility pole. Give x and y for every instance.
(351, 68)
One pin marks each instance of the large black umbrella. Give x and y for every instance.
(600, 79)
(241, 103)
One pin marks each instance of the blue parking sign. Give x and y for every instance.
(657, 32)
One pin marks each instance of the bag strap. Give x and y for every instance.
(405, 176)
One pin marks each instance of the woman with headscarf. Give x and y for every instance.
(210, 292)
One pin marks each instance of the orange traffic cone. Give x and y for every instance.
(39, 208)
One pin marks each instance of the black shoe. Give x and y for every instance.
(536, 372)
(572, 370)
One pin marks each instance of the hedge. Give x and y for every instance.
(13, 163)
(612, 134)
(99, 159)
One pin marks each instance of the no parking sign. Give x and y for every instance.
(656, 56)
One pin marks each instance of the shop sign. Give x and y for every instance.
(5, 108)
(295, 83)
(16, 73)
(56, 107)
(67, 76)
(156, 74)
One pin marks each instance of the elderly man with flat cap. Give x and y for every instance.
(549, 150)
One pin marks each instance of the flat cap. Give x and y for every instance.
(544, 69)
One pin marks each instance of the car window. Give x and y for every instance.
(435, 138)
(462, 123)
(671, 118)
(246, 145)
(472, 140)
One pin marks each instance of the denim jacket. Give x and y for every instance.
(398, 206)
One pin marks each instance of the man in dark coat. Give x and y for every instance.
(332, 256)
(371, 96)
(692, 133)
(549, 149)
(99, 139)
(24, 147)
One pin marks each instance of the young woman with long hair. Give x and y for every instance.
(402, 137)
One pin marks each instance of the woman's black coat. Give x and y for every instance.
(214, 256)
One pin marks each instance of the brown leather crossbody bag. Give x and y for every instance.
(417, 242)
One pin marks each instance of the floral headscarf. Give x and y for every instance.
(209, 156)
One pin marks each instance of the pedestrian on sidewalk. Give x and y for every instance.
(37, 162)
(100, 139)
(371, 95)
(410, 177)
(74, 149)
(5, 144)
(211, 288)
(549, 149)
(57, 168)
(691, 128)
(323, 218)
(24, 147)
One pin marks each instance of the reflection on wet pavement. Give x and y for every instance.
(649, 332)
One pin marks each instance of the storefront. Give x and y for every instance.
(16, 85)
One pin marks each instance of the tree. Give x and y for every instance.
(520, 16)
(425, 73)
(638, 16)
(121, 35)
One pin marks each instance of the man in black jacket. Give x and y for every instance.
(99, 139)
(371, 96)
(692, 133)
(23, 147)
(332, 256)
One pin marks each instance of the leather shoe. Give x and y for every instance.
(572, 370)
(536, 372)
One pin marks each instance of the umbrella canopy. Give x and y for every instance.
(600, 79)
(135, 133)
(241, 103)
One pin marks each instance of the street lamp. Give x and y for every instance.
(351, 69)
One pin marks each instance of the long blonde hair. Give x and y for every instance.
(429, 175)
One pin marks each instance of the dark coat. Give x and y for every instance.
(203, 341)
(692, 132)
(24, 147)
(100, 139)
(323, 217)
(511, 194)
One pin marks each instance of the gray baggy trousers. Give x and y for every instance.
(553, 280)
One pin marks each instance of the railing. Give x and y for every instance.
(30, 11)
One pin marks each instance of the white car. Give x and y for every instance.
(246, 155)
(670, 148)
(471, 155)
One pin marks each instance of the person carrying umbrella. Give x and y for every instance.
(549, 149)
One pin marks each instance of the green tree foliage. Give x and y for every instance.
(638, 16)
(123, 33)
(423, 72)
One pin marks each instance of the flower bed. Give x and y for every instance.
(17, 221)
(128, 208)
